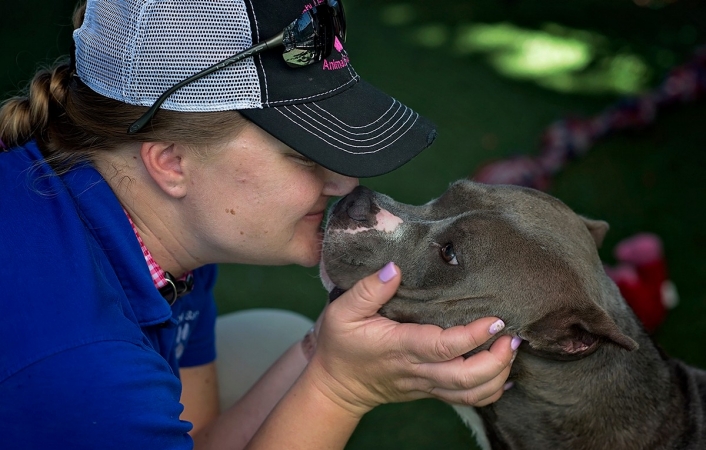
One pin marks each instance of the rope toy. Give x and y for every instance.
(568, 139)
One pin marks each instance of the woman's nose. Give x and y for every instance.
(337, 185)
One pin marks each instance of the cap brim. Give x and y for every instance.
(359, 132)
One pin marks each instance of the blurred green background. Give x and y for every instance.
(493, 75)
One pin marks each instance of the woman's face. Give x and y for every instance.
(257, 201)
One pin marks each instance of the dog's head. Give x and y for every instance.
(477, 251)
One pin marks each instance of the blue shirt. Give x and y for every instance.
(89, 349)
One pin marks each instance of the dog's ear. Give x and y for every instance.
(573, 334)
(597, 228)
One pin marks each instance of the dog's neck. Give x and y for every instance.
(613, 395)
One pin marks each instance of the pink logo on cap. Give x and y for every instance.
(337, 64)
(311, 6)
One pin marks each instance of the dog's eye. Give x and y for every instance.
(448, 254)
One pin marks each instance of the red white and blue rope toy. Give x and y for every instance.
(570, 138)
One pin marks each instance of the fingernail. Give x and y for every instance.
(496, 326)
(515, 343)
(388, 272)
(508, 385)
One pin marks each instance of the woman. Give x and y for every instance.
(113, 216)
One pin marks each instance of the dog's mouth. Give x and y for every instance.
(335, 293)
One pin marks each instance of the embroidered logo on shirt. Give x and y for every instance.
(184, 321)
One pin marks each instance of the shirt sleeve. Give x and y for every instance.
(107, 395)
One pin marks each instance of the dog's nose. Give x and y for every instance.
(356, 205)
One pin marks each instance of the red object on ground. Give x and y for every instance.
(641, 275)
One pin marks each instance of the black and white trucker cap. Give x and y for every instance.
(134, 50)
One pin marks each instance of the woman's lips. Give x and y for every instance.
(315, 216)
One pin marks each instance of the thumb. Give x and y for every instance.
(368, 295)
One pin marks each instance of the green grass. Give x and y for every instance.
(647, 180)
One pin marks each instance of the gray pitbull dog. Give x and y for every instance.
(587, 376)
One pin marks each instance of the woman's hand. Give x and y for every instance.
(363, 359)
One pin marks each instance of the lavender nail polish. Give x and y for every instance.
(496, 326)
(515, 343)
(388, 272)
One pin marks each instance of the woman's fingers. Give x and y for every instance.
(479, 389)
(482, 395)
(459, 374)
(366, 359)
(429, 343)
(425, 343)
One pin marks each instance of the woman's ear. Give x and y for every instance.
(164, 162)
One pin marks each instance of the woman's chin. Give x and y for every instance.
(312, 259)
(305, 250)
(307, 256)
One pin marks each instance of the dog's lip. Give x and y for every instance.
(325, 279)
(335, 293)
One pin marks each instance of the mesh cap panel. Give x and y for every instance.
(133, 51)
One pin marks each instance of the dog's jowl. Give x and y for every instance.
(587, 376)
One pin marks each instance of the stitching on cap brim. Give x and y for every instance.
(317, 125)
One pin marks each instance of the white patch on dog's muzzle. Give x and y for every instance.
(386, 222)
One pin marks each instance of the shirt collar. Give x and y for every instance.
(104, 217)
(157, 273)
(161, 278)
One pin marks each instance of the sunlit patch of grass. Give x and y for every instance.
(432, 35)
(555, 57)
(398, 14)
(525, 53)
(621, 73)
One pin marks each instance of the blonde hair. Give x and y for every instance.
(70, 122)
